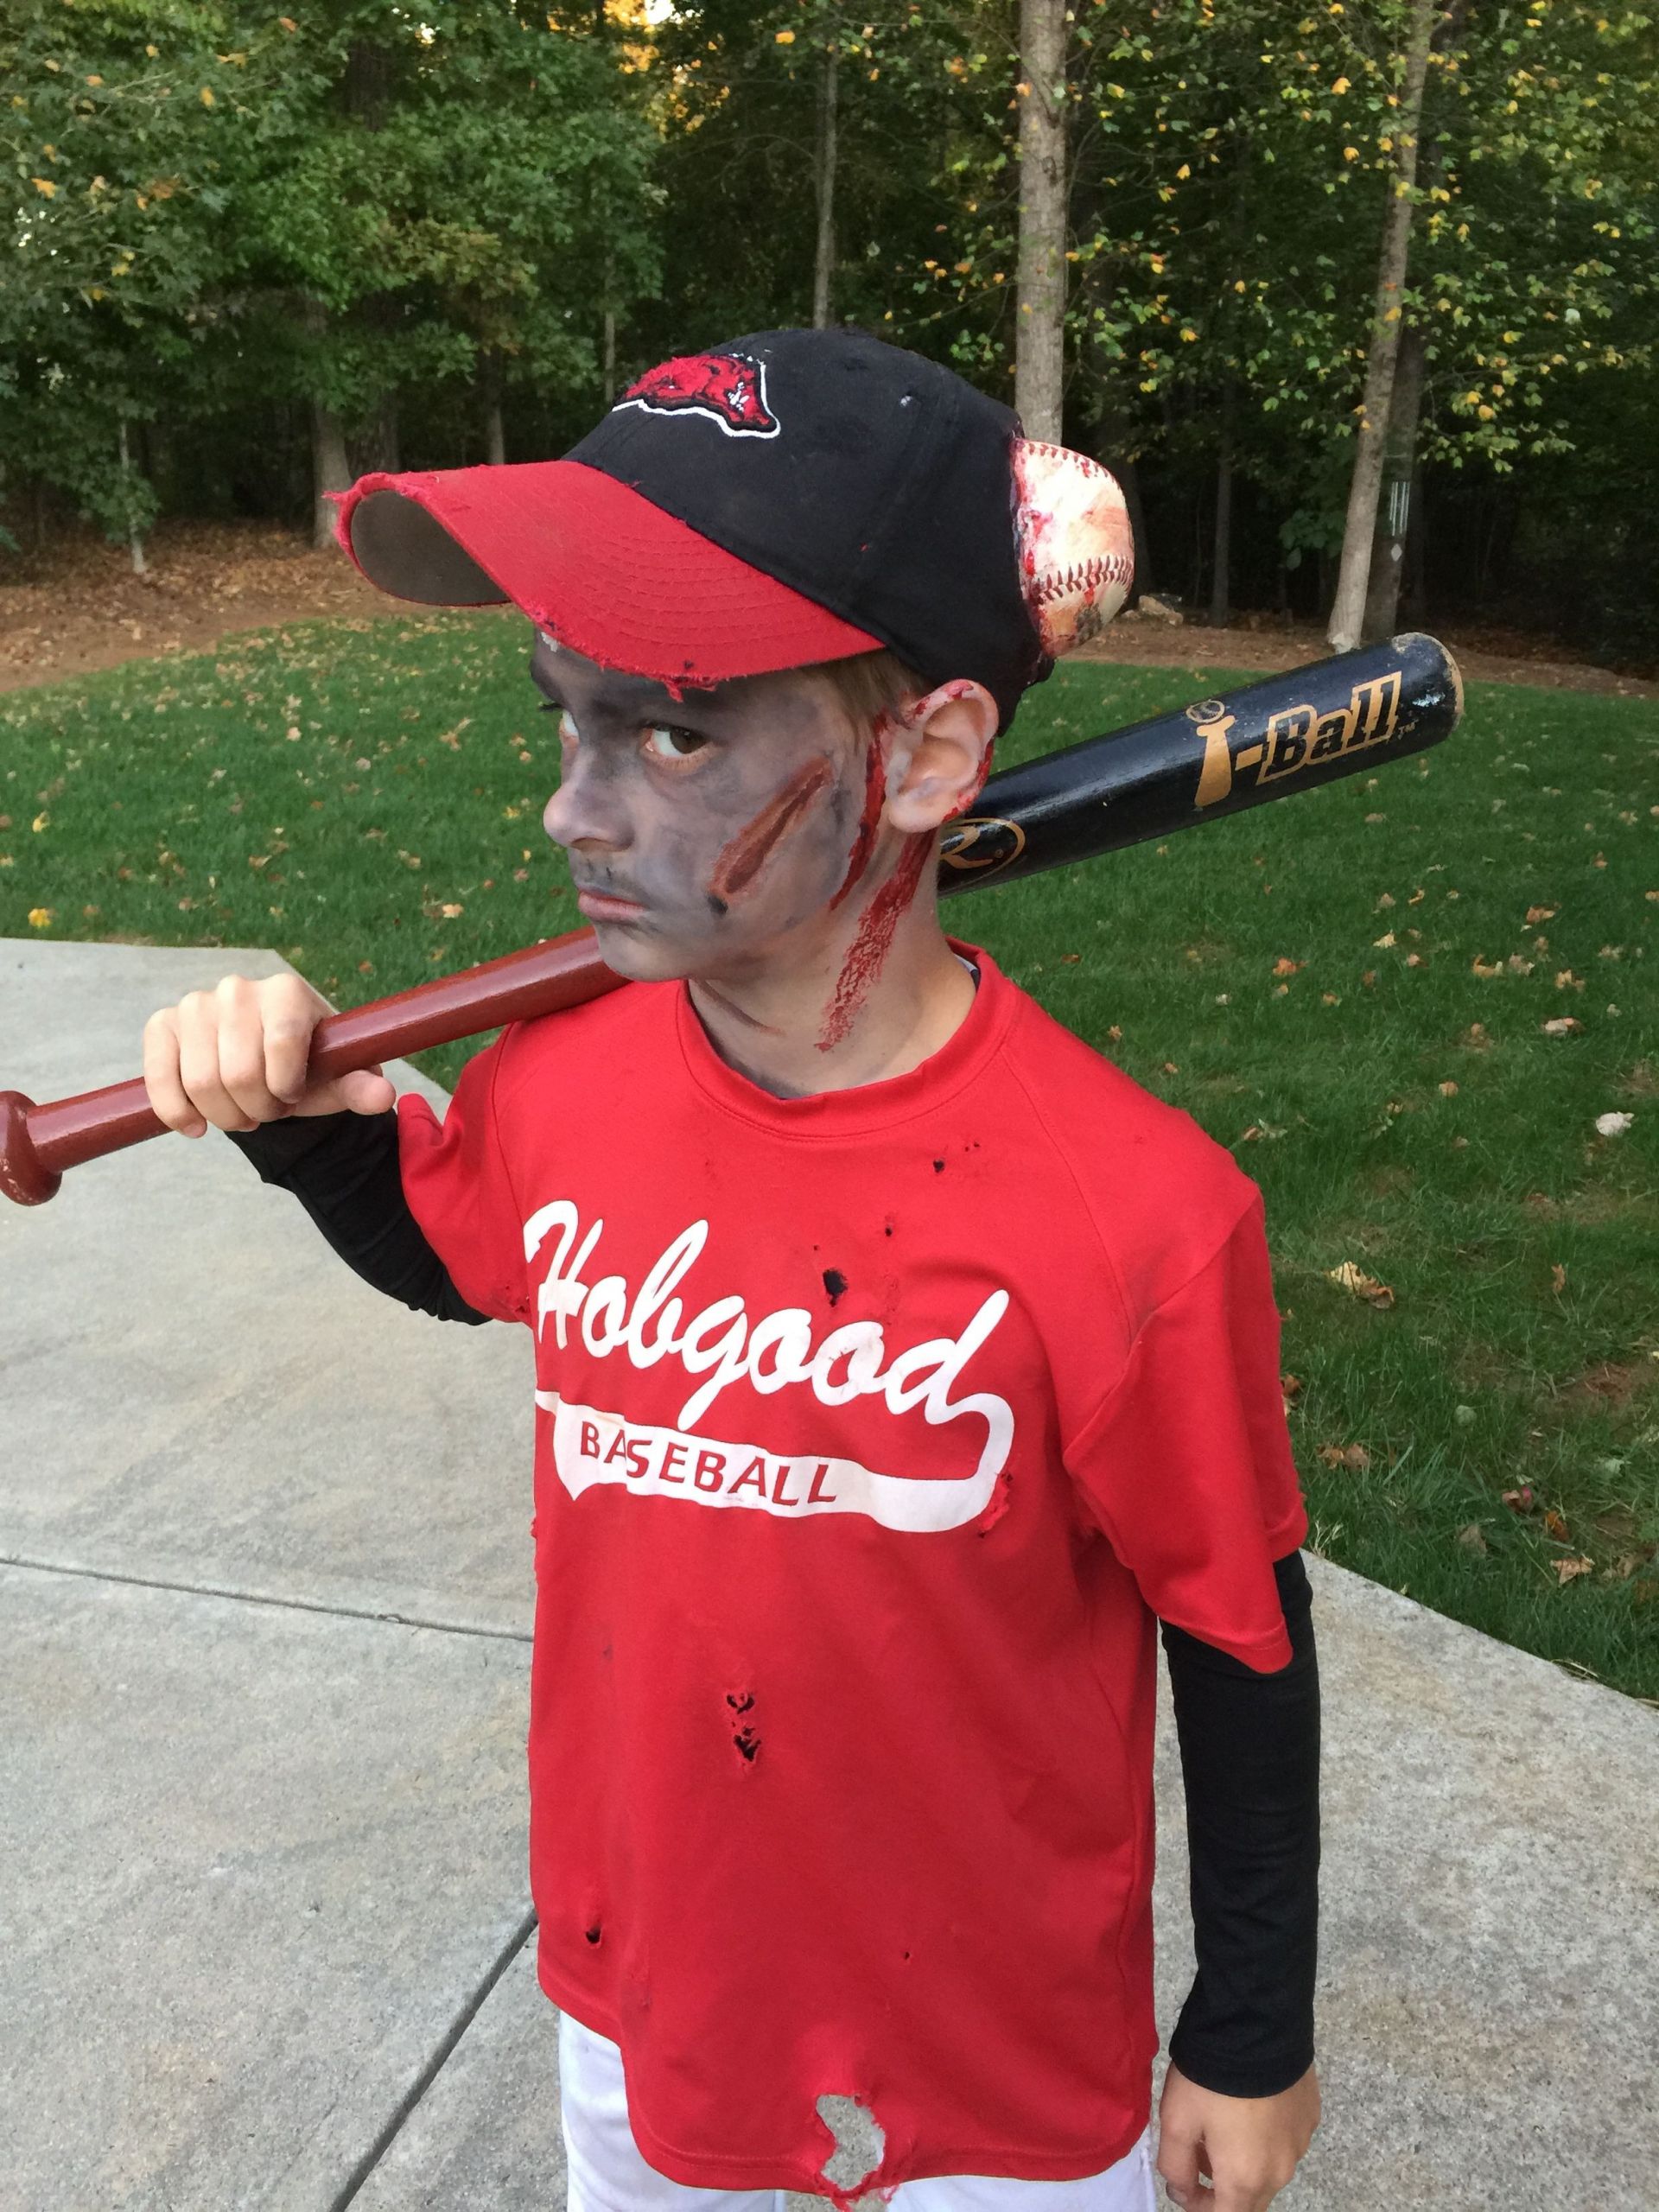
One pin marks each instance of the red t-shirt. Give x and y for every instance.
(874, 1430)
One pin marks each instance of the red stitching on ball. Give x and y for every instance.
(1098, 568)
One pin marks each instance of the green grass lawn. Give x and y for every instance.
(1305, 979)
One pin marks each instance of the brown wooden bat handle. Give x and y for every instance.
(38, 1142)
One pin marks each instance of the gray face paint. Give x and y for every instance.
(702, 830)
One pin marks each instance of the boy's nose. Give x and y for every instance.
(584, 811)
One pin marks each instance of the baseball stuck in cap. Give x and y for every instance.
(792, 496)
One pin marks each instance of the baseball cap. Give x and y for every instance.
(790, 496)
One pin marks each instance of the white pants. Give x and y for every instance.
(608, 2175)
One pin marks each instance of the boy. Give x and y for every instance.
(899, 1360)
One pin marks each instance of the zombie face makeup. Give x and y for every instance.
(706, 828)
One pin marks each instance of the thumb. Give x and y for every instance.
(365, 1091)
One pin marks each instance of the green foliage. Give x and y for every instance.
(204, 201)
(111, 151)
(435, 192)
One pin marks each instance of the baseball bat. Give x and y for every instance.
(1216, 756)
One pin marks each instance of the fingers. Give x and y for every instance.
(1245, 2182)
(1178, 2165)
(288, 1012)
(232, 1057)
(167, 1101)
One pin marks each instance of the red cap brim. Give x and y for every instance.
(593, 564)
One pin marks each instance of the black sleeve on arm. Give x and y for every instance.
(1249, 1746)
(343, 1170)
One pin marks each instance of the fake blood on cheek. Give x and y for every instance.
(869, 821)
(743, 857)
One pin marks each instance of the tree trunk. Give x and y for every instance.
(489, 402)
(1347, 613)
(1416, 591)
(135, 537)
(1220, 573)
(377, 446)
(607, 331)
(1394, 504)
(1127, 473)
(1040, 351)
(331, 470)
(823, 266)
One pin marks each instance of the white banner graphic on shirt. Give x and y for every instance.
(722, 1345)
(590, 1446)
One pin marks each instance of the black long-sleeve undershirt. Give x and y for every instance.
(1250, 1742)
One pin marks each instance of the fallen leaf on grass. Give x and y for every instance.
(1564, 1024)
(1522, 1499)
(1350, 1278)
(1291, 1385)
(1566, 1569)
(1486, 968)
(1536, 914)
(1070, 959)
(1471, 1538)
(1387, 899)
(1558, 1278)
(1613, 1125)
(1448, 1090)
(40, 918)
(1261, 1133)
(1286, 967)
(1385, 940)
(1556, 1524)
(1354, 1457)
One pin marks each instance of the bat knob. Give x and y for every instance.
(23, 1175)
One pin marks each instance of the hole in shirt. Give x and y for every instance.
(860, 2142)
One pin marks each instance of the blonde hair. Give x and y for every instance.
(869, 684)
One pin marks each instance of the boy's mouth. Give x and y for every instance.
(607, 906)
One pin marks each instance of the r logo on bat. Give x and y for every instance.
(982, 844)
(1299, 737)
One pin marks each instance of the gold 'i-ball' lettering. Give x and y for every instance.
(1299, 737)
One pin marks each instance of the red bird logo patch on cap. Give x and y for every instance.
(730, 389)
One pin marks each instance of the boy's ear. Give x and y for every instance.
(941, 750)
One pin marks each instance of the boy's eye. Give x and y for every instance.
(667, 741)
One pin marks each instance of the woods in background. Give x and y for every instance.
(252, 255)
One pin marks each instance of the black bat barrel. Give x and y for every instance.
(1309, 726)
